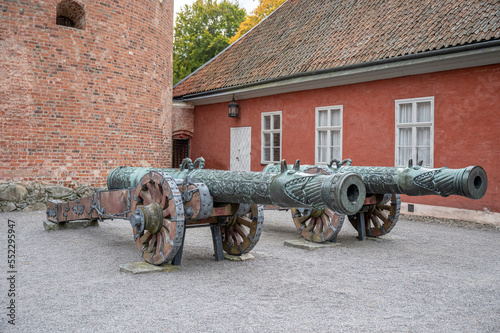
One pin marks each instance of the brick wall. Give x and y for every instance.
(75, 103)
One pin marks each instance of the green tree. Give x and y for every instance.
(264, 8)
(201, 31)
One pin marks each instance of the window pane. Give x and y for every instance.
(335, 121)
(405, 113)
(267, 154)
(405, 137)
(276, 154)
(424, 154)
(423, 112)
(323, 118)
(335, 139)
(322, 141)
(404, 155)
(322, 154)
(335, 153)
(276, 140)
(423, 136)
(276, 121)
(267, 122)
(267, 139)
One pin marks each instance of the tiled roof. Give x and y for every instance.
(309, 35)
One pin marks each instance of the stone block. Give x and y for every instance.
(310, 246)
(84, 191)
(143, 267)
(243, 257)
(35, 207)
(51, 226)
(58, 192)
(7, 206)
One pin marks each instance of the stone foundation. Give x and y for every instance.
(33, 196)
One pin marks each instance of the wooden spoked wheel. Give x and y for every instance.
(241, 233)
(317, 226)
(380, 218)
(158, 199)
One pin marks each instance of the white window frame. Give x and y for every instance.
(329, 130)
(414, 125)
(271, 132)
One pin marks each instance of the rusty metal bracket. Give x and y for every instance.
(78, 209)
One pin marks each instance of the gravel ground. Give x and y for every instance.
(422, 277)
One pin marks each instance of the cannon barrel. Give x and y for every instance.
(342, 192)
(470, 182)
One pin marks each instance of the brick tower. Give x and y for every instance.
(85, 86)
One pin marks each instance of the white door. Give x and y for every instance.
(241, 146)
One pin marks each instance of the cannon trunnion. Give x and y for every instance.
(161, 203)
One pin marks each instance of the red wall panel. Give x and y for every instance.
(466, 122)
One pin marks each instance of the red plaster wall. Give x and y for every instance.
(76, 103)
(466, 124)
(183, 120)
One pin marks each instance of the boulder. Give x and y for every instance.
(36, 192)
(13, 192)
(58, 192)
(84, 191)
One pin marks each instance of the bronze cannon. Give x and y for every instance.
(381, 208)
(161, 203)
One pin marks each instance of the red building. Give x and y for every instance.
(378, 82)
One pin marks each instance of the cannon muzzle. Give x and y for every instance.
(474, 182)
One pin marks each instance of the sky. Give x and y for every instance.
(249, 5)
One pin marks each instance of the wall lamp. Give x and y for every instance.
(233, 109)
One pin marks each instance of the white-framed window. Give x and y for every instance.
(415, 131)
(328, 134)
(271, 137)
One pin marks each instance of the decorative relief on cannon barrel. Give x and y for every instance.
(235, 186)
(438, 182)
(378, 182)
(305, 190)
(122, 176)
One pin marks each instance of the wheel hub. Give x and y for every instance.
(317, 213)
(148, 217)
